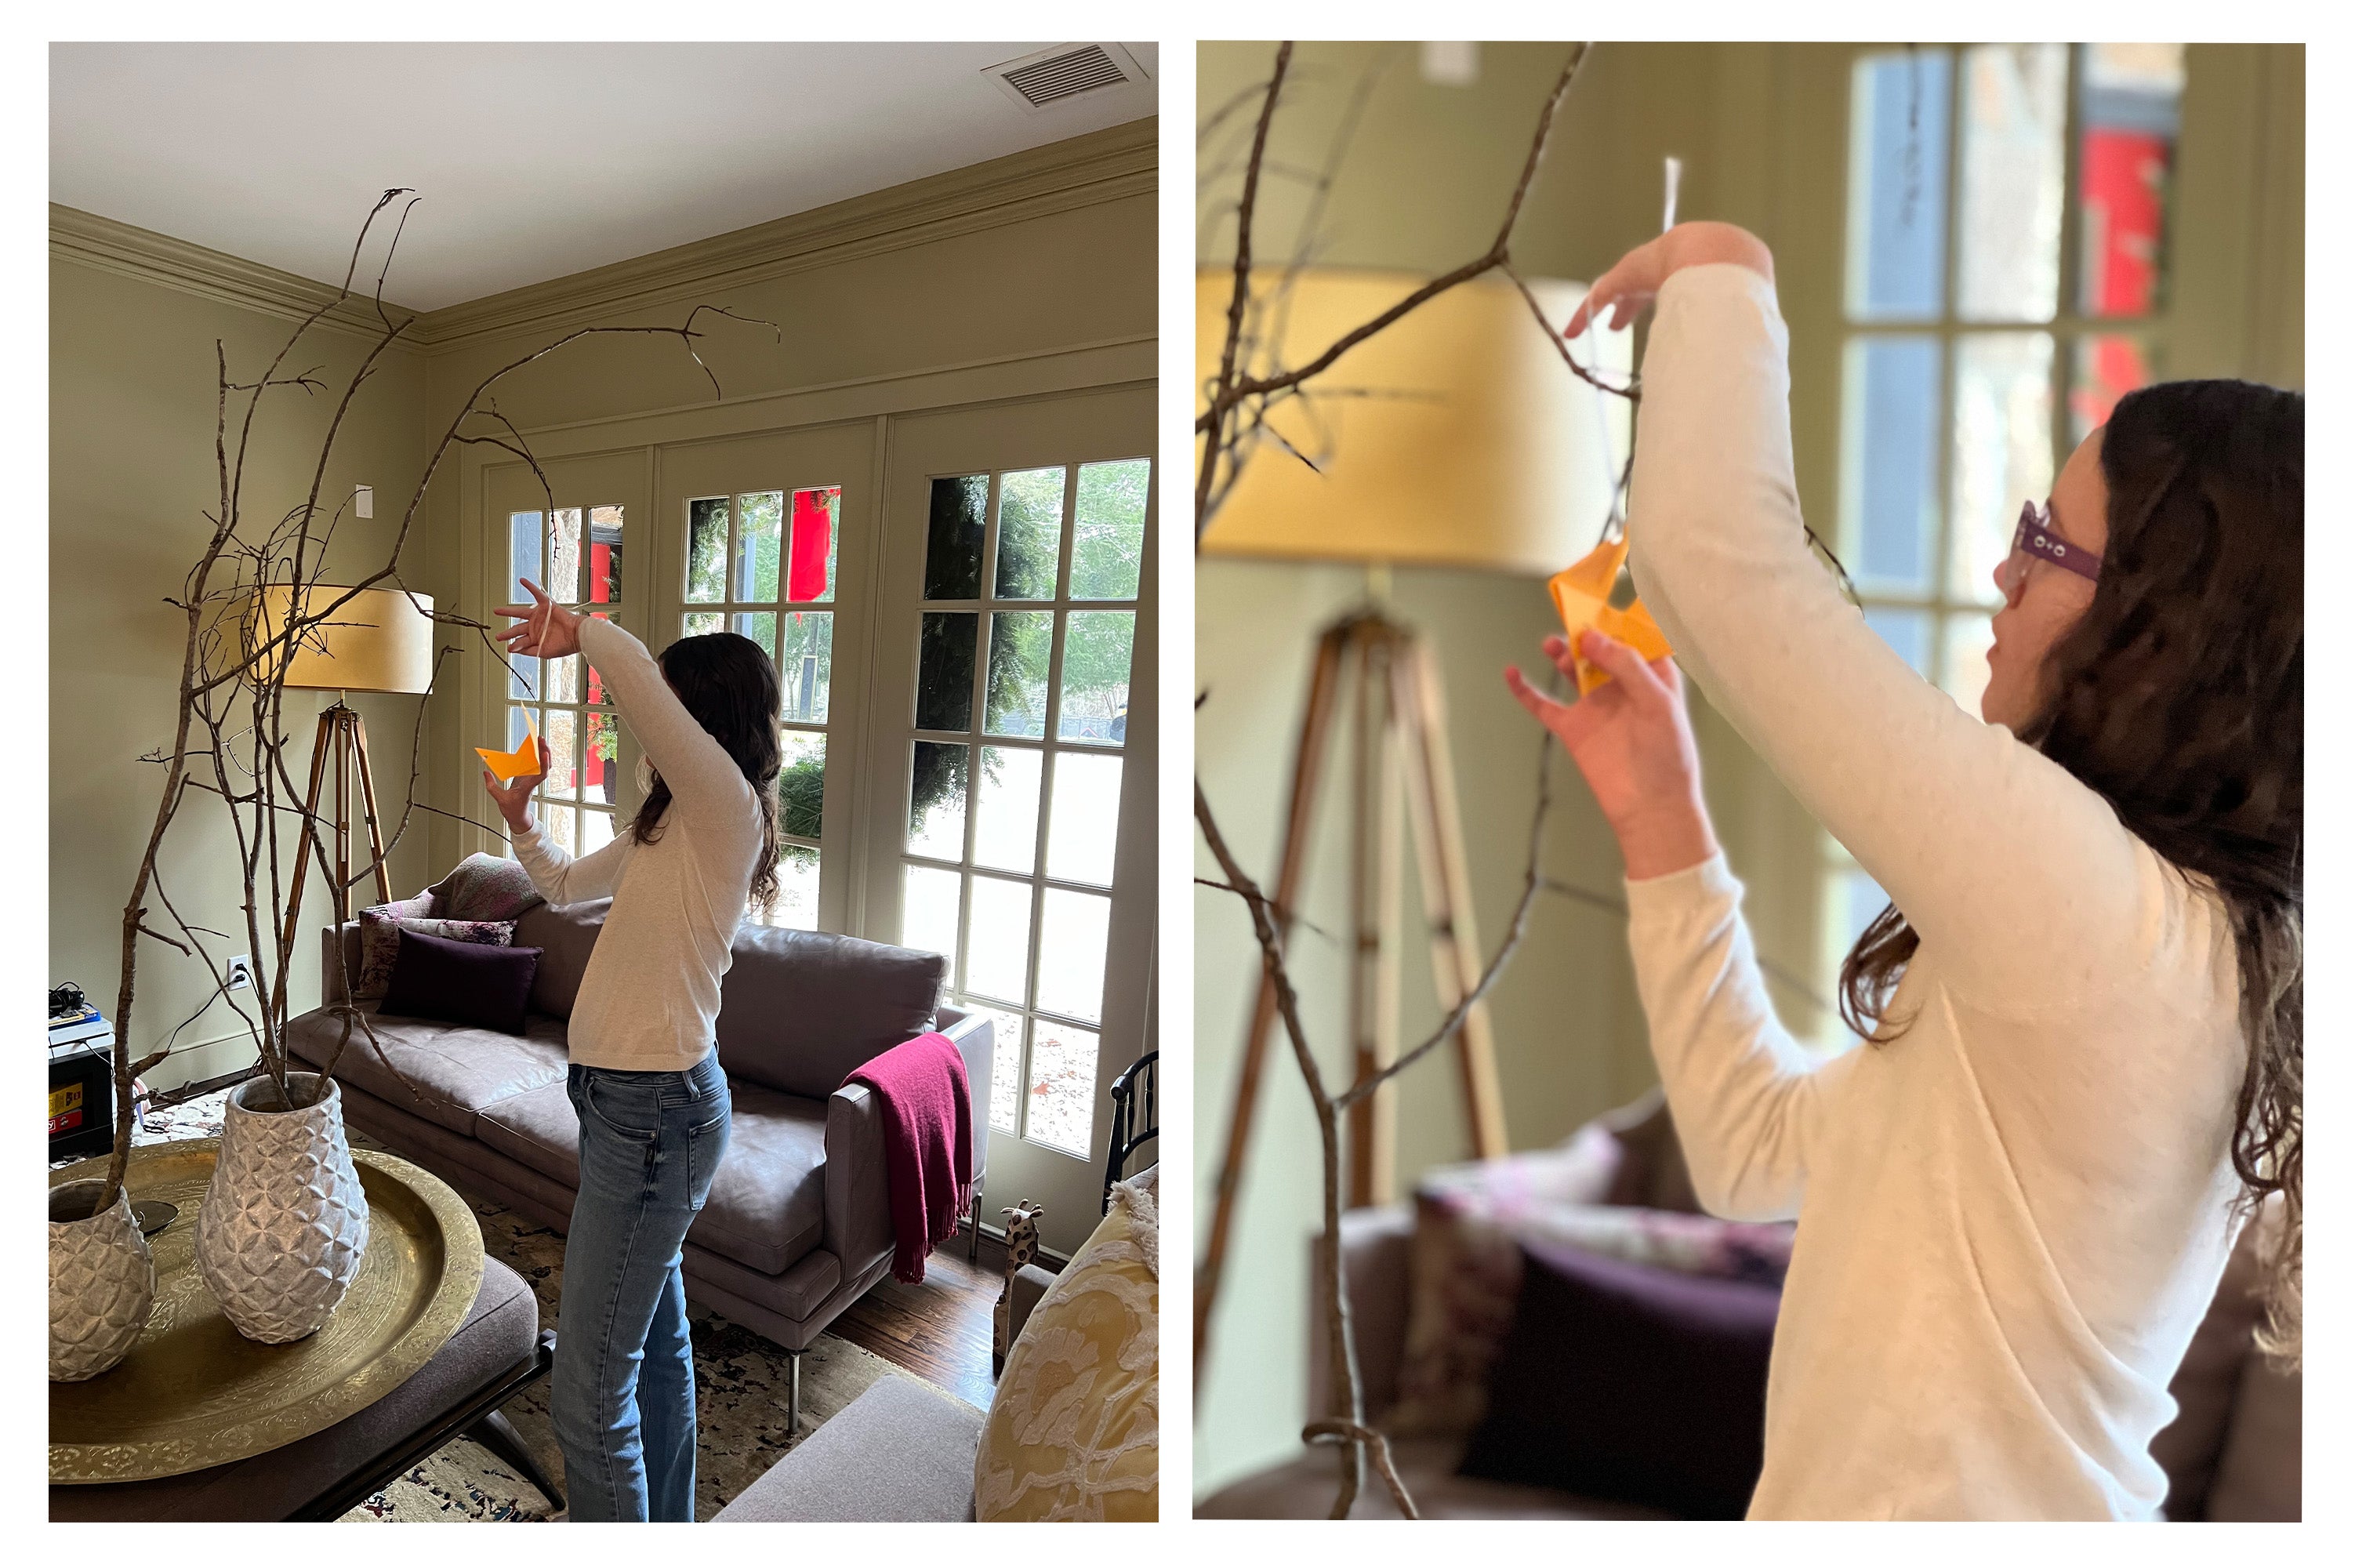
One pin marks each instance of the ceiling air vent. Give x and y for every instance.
(1063, 73)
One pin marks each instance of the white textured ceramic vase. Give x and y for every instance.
(283, 1224)
(101, 1282)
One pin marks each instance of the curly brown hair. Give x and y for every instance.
(730, 685)
(2180, 697)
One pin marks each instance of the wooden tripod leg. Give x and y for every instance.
(1455, 958)
(367, 806)
(1307, 769)
(319, 748)
(1374, 867)
(343, 814)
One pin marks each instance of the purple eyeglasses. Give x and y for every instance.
(2036, 536)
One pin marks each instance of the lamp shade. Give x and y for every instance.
(1453, 437)
(377, 639)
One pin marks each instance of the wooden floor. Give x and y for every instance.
(939, 1329)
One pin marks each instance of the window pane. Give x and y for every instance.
(998, 939)
(523, 560)
(760, 626)
(1907, 631)
(1072, 931)
(1005, 1066)
(797, 878)
(2128, 108)
(1095, 675)
(2003, 450)
(1108, 536)
(558, 820)
(703, 621)
(1084, 826)
(936, 800)
(805, 663)
(564, 543)
(1063, 1087)
(2107, 368)
(596, 681)
(927, 911)
(596, 830)
(1006, 835)
(817, 516)
(801, 786)
(1020, 644)
(944, 671)
(760, 545)
(1968, 639)
(605, 555)
(707, 550)
(600, 764)
(1891, 451)
(1897, 186)
(560, 727)
(1030, 533)
(564, 678)
(2009, 227)
(519, 724)
(952, 543)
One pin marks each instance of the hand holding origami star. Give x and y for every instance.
(518, 773)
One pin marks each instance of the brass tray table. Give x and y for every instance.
(194, 1392)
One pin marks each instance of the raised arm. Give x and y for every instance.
(2015, 870)
(703, 778)
(560, 878)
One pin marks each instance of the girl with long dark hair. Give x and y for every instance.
(644, 1078)
(2084, 1006)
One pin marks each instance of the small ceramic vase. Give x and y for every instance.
(101, 1282)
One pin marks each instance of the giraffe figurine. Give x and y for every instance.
(1021, 1246)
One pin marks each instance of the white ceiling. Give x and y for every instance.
(534, 160)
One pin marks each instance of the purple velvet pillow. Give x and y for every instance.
(460, 982)
(1630, 1383)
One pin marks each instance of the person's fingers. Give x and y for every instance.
(1543, 709)
(538, 594)
(1558, 650)
(545, 755)
(1665, 666)
(1623, 664)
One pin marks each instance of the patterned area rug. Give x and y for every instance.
(740, 1381)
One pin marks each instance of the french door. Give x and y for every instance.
(770, 537)
(1011, 781)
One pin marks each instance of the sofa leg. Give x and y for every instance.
(972, 1245)
(794, 1394)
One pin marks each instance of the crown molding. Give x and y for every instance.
(131, 252)
(1103, 166)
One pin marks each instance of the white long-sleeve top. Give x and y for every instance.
(2012, 1217)
(651, 993)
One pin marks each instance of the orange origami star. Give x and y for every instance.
(509, 766)
(1582, 593)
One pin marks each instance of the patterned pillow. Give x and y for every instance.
(1075, 1430)
(381, 929)
(1465, 1269)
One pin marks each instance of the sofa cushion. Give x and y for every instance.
(1629, 1382)
(800, 1009)
(565, 935)
(443, 1073)
(767, 1208)
(899, 1453)
(460, 981)
(1305, 1488)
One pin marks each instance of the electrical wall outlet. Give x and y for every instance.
(364, 500)
(240, 973)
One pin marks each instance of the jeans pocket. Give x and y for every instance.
(618, 1114)
(706, 1146)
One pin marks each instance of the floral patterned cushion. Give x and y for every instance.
(381, 929)
(1465, 1270)
(1075, 1430)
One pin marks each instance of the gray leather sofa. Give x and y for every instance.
(798, 1224)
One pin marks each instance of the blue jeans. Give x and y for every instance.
(622, 1393)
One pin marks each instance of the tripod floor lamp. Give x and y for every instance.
(376, 640)
(1454, 438)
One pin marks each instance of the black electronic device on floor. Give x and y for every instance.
(81, 1106)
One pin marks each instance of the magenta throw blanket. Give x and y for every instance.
(927, 1144)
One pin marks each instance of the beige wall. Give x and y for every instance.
(130, 469)
(1049, 250)
(1422, 188)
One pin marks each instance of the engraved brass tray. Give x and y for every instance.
(194, 1392)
